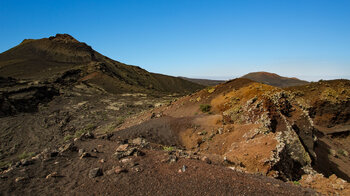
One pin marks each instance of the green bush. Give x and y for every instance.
(205, 107)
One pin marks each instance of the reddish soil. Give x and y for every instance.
(238, 140)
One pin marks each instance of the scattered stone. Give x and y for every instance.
(333, 152)
(137, 169)
(36, 157)
(123, 151)
(122, 148)
(110, 172)
(101, 161)
(220, 130)
(138, 153)
(88, 135)
(119, 170)
(93, 173)
(18, 163)
(81, 151)
(18, 179)
(67, 147)
(52, 175)
(85, 154)
(126, 161)
(206, 159)
(26, 162)
(95, 150)
(130, 151)
(138, 141)
(184, 167)
(105, 136)
(118, 155)
(153, 115)
(172, 159)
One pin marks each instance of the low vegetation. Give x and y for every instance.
(67, 138)
(25, 155)
(168, 148)
(205, 108)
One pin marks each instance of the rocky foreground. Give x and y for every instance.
(108, 166)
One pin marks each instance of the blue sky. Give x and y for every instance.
(309, 39)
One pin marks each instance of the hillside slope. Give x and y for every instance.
(261, 129)
(274, 79)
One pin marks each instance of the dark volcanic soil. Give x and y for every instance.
(143, 175)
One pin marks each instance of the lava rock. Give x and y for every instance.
(93, 173)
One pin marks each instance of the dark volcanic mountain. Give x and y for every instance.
(52, 89)
(61, 57)
(274, 79)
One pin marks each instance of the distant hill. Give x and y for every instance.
(204, 82)
(62, 58)
(274, 79)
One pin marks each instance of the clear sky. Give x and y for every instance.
(309, 39)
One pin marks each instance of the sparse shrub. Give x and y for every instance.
(211, 89)
(343, 152)
(205, 107)
(90, 127)
(4, 164)
(25, 155)
(67, 137)
(109, 128)
(168, 148)
(80, 133)
(296, 182)
(120, 120)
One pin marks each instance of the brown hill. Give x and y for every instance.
(274, 79)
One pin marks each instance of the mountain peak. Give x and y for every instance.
(63, 38)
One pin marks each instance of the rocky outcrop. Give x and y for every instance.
(23, 97)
